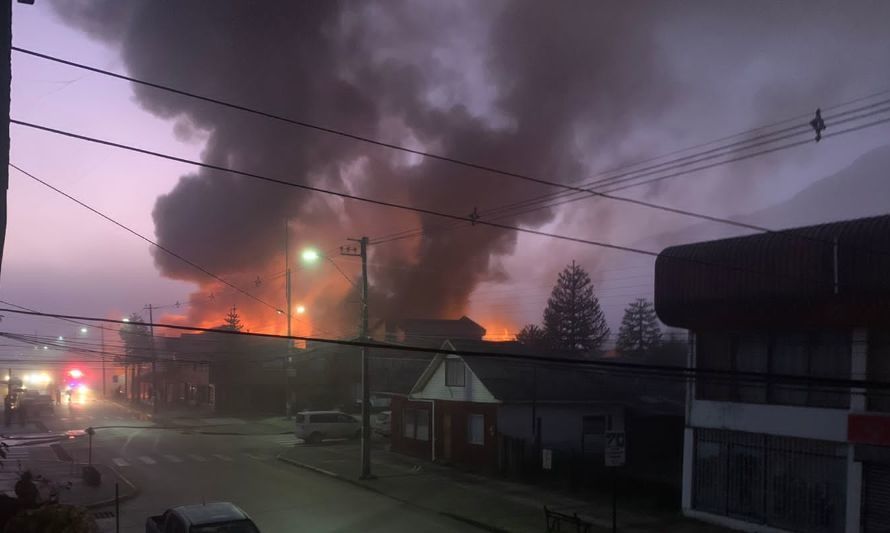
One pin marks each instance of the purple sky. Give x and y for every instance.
(62, 258)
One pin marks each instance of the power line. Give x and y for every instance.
(405, 149)
(146, 239)
(477, 166)
(152, 242)
(385, 203)
(419, 232)
(305, 187)
(586, 192)
(589, 363)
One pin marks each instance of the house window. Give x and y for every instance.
(409, 423)
(416, 424)
(422, 425)
(476, 429)
(455, 373)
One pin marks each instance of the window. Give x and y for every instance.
(300, 419)
(409, 423)
(783, 482)
(416, 424)
(751, 355)
(878, 370)
(423, 425)
(455, 375)
(345, 418)
(476, 429)
(815, 354)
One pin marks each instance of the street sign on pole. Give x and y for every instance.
(615, 448)
(615, 456)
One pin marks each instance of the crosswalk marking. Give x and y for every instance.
(147, 460)
(198, 458)
(120, 461)
(222, 457)
(172, 458)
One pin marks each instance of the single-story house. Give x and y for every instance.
(500, 414)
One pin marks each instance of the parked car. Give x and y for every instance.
(315, 426)
(382, 423)
(202, 518)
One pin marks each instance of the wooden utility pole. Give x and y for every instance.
(363, 336)
(288, 400)
(4, 102)
(154, 359)
(102, 333)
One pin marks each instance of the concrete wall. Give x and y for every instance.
(561, 425)
(805, 422)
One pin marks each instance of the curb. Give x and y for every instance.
(469, 521)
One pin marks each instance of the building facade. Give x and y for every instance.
(783, 327)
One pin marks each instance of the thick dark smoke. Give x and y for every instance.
(536, 87)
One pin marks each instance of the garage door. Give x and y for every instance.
(876, 498)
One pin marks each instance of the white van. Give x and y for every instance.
(315, 426)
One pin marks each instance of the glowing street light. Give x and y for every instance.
(83, 330)
(61, 338)
(301, 309)
(126, 319)
(310, 256)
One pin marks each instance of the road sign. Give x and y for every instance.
(547, 459)
(615, 448)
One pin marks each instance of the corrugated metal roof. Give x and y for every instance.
(836, 273)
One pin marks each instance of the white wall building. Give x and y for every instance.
(788, 422)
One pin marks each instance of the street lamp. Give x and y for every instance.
(126, 319)
(310, 255)
(83, 330)
(301, 309)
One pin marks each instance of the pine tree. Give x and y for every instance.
(573, 319)
(136, 337)
(233, 320)
(532, 335)
(640, 332)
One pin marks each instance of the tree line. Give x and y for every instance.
(573, 320)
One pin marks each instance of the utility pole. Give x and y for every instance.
(363, 336)
(154, 359)
(290, 343)
(4, 102)
(102, 334)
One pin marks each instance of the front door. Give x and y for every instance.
(446, 437)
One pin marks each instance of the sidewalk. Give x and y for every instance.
(42, 461)
(488, 503)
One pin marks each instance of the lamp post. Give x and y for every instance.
(311, 256)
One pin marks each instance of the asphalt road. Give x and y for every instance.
(179, 466)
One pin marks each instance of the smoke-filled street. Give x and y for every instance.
(171, 466)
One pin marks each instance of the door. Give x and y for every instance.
(446, 437)
(875, 498)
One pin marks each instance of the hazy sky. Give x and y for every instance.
(744, 71)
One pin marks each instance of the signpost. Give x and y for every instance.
(615, 449)
(547, 459)
(615, 456)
